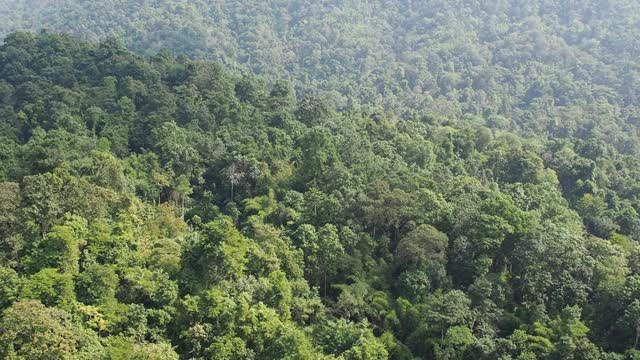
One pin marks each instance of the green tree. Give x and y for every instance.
(97, 284)
(215, 253)
(30, 330)
(424, 250)
(9, 286)
(318, 155)
(42, 203)
(183, 188)
(456, 343)
(50, 286)
(123, 348)
(61, 247)
(322, 250)
(10, 238)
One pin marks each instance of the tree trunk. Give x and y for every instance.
(325, 283)
(635, 344)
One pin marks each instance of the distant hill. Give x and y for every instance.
(548, 67)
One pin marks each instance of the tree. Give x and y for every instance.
(348, 340)
(42, 203)
(366, 349)
(61, 247)
(154, 289)
(97, 284)
(318, 155)
(632, 322)
(216, 252)
(10, 237)
(448, 310)
(183, 188)
(455, 344)
(594, 212)
(313, 111)
(281, 96)
(319, 208)
(30, 330)
(51, 287)
(552, 267)
(321, 249)
(388, 209)
(147, 176)
(9, 286)
(126, 349)
(176, 150)
(424, 250)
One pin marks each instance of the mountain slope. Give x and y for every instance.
(551, 68)
(164, 208)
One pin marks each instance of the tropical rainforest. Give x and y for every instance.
(353, 180)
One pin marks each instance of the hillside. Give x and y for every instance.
(353, 180)
(543, 67)
(159, 204)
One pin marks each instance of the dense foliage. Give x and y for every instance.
(557, 68)
(163, 208)
(435, 180)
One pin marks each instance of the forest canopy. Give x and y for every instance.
(202, 192)
(552, 68)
